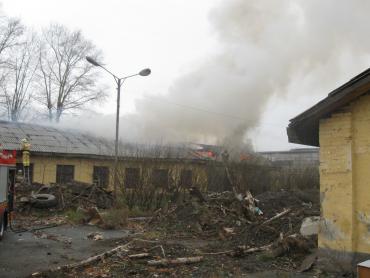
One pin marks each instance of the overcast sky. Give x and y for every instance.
(173, 37)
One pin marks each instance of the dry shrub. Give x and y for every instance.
(259, 178)
(114, 218)
(75, 216)
(148, 199)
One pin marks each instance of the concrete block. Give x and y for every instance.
(310, 226)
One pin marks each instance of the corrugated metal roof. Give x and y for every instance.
(52, 140)
(47, 139)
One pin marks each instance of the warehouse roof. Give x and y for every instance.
(47, 139)
(51, 140)
(304, 129)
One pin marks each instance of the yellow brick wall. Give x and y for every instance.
(336, 182)
(361, 153)
(345, 179)
(44, 169)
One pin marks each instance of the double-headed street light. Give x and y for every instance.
(119, 82)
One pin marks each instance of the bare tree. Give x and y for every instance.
(67, 81)
(18, 77)
(10, 31)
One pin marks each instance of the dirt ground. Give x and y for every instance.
(121, 265)
(221, 235)
(21, 254)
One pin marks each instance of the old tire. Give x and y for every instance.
(43, 200)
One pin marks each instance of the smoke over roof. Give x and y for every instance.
(265, 46)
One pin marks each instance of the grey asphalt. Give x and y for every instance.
(25, 253)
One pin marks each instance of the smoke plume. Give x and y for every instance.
(264, 47)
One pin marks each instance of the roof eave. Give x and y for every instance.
(297, 136)
(304, 128)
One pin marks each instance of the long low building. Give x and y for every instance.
(60, 156)
(304, 157)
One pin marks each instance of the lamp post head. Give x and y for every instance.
(92, 61)
(145, 72)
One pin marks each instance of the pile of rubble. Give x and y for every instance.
(271, 221)
(212, 213)
(213, 235)
(63, 196)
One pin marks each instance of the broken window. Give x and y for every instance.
(65, 173)
(19, 166)
(186, 178)
(101, 176)
(160, 178)
(132, 177)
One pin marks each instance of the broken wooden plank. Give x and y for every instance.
(258, 249)
(139, 256)
(279, 215)
(162, 249)
(88, 261)
(121, 248)
(218, 253)
(165, 262)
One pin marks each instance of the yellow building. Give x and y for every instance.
(60, 156)
(340, 126)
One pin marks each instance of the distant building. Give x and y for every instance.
(293, 158)
(60, 156)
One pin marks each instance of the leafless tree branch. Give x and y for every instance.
(18, 74)
(67, 81)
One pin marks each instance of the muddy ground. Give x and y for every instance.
(21, 254)
(228, 239)
(121, 265)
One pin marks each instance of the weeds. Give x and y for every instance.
(75, 216)
(258, 177)
(138, 212)
(114, 218)
(153, 235)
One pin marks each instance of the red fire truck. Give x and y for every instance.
(7, 179)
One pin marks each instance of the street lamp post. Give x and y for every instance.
(119, 82)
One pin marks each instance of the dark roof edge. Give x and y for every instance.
(126, 158)
(345, 88)
(304, 128)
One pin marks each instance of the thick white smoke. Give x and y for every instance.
(264, 47)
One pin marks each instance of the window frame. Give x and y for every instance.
(186, 181)
(132, 182)
(160, 181)
(102, 173)
(58, 175)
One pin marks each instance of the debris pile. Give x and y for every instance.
(274, 226)
(135, 258)
(63, 196)
(210, 235)
(225, 213)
